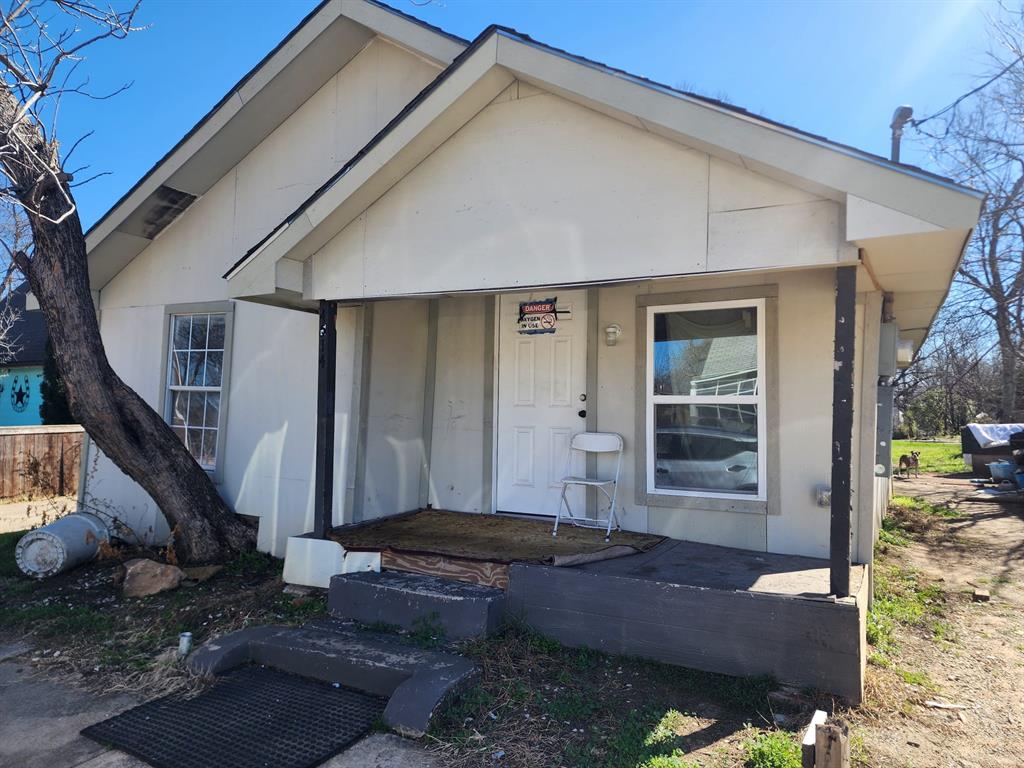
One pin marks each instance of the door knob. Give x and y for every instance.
(583, 414)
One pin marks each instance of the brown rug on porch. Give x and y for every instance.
(494, 538)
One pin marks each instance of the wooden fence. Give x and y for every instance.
(40, 461)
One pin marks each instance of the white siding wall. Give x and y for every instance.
(539, 190)
(395, 452)
(457, 441)
(268, 460)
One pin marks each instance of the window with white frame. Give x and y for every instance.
(195, 369)
(705, 400)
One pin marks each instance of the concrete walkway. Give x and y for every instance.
(40, 718)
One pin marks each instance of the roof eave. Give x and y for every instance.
(333, 33)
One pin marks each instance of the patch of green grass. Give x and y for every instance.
(915, 677)
(940, 458)
(647, 738)
(893, 533)
(8, 566)
(253, 564)
(901, 599)
(461, 710)
(909, 503)
(300, 610)
(427, 632)
(571, 706)
(772, 749)
(55, 619)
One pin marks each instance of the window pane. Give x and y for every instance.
(179, 407)
(180, 432)
(196, 409)
(208, 456)
(182, 326)
(706, 352)
(196, 368)
(195, 442)
(199, 331)
(214, 361)
(212, 409)
(706, 448)
(216, 340)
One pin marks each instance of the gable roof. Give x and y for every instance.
(512, 34)
(313, 52)
(500, 55)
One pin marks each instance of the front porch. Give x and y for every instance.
(708, 607)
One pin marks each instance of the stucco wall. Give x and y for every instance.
(268, 460)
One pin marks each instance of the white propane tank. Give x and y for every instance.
(61, 545)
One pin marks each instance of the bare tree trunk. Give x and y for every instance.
(128, 431)
(1007, 375)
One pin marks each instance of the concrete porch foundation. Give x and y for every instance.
(712, 608)
(406, 599)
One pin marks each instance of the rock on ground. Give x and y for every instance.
(146, 577)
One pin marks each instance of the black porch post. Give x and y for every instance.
(842, 431)
(323, 494)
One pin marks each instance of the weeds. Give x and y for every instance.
(427, 632)
(8, 565)
(620, 711)
(902, 599)
(772, 749)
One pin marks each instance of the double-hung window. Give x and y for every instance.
(705, 399)
(195, 372)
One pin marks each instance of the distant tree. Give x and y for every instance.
(979, 140)
(42, 44)
(13, 229)
(55, 408)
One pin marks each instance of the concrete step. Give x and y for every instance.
(415, 680)
(412, 600)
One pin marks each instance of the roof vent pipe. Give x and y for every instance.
(900, 118)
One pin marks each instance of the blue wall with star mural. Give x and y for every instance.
(20, 396)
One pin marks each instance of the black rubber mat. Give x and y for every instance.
(253, 717)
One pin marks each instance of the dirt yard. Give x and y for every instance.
(964, 652)
(543, 704)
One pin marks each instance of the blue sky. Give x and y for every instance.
(834, 68)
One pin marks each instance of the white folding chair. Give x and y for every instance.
(586, 443)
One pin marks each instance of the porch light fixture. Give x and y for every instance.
(612, 333)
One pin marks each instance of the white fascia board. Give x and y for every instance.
(432, 45)
(718, 130)
(309, 32)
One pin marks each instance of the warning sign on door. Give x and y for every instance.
(538, 316)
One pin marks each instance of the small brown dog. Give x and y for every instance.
(910, 463)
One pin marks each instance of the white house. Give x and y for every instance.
(708, 269)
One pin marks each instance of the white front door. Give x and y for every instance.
(542, 375)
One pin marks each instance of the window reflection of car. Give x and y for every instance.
(699, 458)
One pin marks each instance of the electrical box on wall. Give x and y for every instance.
(888, 344)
